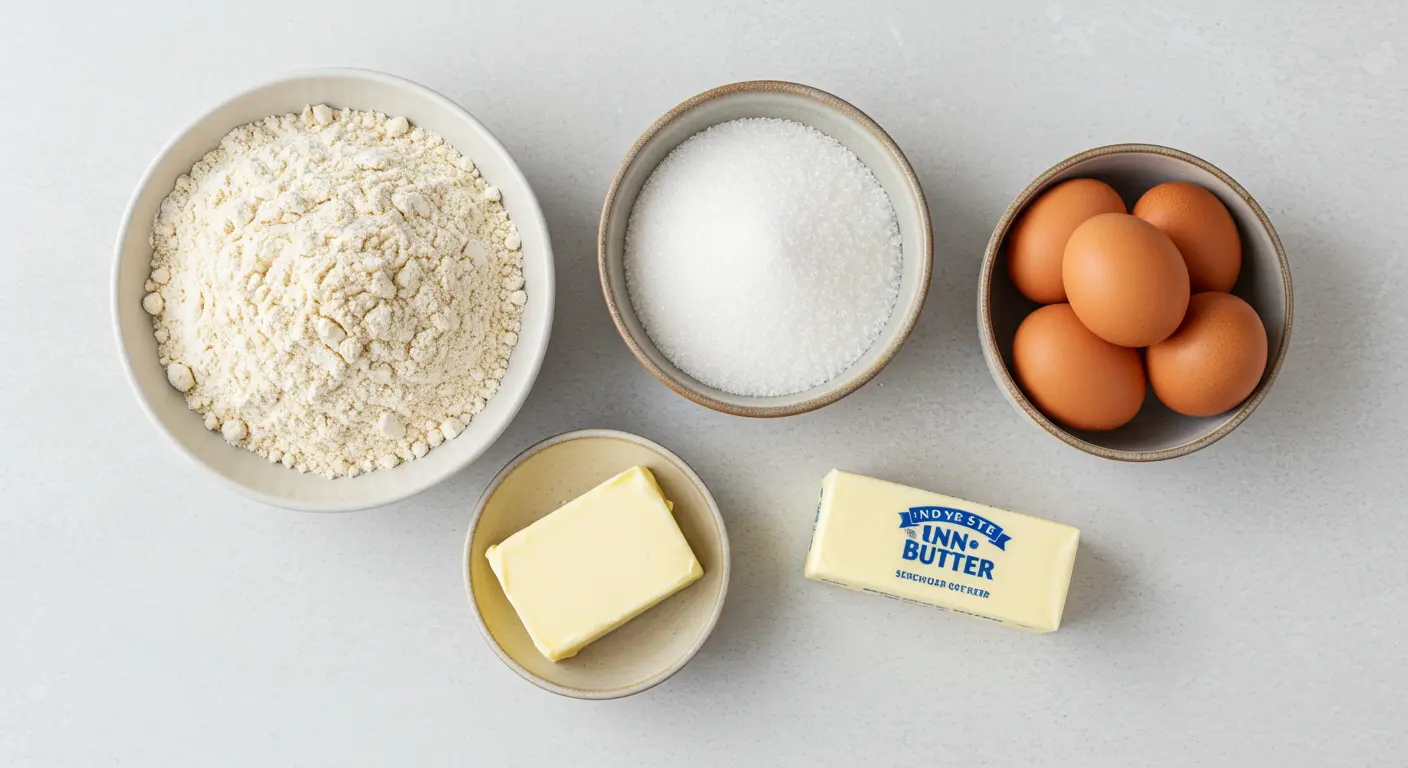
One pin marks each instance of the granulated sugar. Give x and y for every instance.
(762, 257)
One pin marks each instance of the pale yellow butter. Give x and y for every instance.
(929, 548)
(595, 563)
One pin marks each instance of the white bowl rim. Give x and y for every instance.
(726, 560)
(530, 202)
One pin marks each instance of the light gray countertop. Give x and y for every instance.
(1242, 605)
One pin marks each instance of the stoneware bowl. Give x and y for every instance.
(247, 472)
(828, 114)
(1156, 433)
(649, 648)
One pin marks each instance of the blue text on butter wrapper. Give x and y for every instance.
(948, 548)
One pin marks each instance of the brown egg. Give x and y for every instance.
(1038, 238)
(1199, 224)
(1125, 280)
(1073, 376)
(1214, 360)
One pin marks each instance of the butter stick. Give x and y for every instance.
(924, 547)
(594, 564)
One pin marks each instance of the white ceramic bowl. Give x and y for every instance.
(245, 471)
(837, 119)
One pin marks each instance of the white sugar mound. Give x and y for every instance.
(763, 257)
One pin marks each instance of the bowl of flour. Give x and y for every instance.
(334, 290)
(765, 249)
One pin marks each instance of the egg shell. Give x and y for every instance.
(1202, 229)
(1125, 280)
(1215, 358)
(1073, 376)
(1037, 241)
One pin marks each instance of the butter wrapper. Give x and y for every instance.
(959, 556)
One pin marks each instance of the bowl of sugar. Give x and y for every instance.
(765, 249)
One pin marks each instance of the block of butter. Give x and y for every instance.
(924, 547)
(595, 563)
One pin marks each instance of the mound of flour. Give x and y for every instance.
(335, 290)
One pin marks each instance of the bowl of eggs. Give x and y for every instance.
(1135, 303)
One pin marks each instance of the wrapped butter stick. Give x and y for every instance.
(928, 548)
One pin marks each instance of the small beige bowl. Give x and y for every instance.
(649, 648)
(1156, 433)
(828, 114)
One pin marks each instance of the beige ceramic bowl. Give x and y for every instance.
(247, 472)
(649, 648)
(1156, 433)
(828, 114)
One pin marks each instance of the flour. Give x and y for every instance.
(335, 290)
